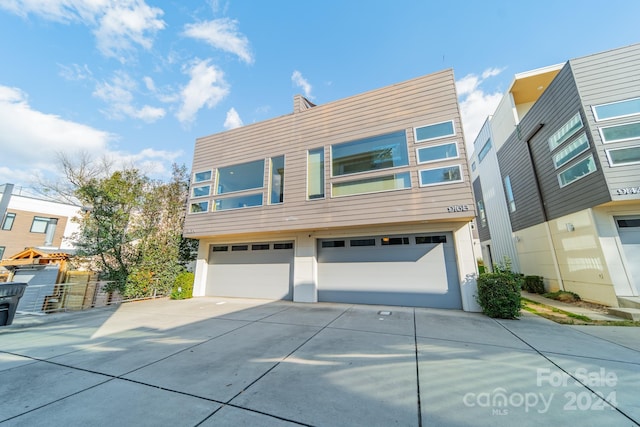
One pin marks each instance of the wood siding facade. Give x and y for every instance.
(401, 107)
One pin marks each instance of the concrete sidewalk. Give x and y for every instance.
(213, 361)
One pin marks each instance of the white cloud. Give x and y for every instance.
(302, 83)
(233, 119)
(476, 104)
(222, 34)
(118, 94)
(118, 25)
(206, 87)
(148, 82)
(75, 72)
(32, 139)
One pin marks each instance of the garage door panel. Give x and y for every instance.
(251, 274)
(409, 274)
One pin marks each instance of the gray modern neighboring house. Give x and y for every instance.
(362, 200)
(563, 199)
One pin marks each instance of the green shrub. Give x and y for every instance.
(183, 286)
(499, 294)
(533, 284)
(564, 296)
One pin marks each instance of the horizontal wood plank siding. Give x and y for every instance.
(400, 107)
(603, 78)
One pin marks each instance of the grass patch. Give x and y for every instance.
(567, 318)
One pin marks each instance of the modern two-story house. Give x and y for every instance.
(566, 201)
(361, 200)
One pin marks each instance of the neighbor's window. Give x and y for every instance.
(484, 150)
(202, 191)
(565, 132)
(437, 176)
(245, 176)
(628, 107)
(276, 193)
(579, 170)
(571, 151)
(2, 248)
(482, 213)
(199, 207)
(7, 224)
(202, 176)
(434, 131)
(624, 156)
(396, 181)
(438, 152)
(619, 133)
(510, 200)
(238, 202)
(369, 154)
(39, 224)
(315, 173)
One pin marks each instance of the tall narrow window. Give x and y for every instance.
(510, 200)
(315, 174)
(7, 224)
(482, 213)
(276, 194)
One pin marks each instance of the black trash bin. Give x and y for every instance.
(10, 294)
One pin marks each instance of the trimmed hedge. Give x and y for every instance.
(499, 295)
(183, 286)
(533, 284)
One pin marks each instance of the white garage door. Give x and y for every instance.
(629, 231)
(412, 270)
(251, 270)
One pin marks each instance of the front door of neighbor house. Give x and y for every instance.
(629, 231)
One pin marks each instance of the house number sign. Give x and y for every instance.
(458, 208)
(628, 190)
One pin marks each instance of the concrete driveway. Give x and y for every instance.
(213, 361)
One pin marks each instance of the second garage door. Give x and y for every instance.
(251, 270)
(413, 270)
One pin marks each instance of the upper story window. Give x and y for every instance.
(509, 191)
(315, 173)
(473, 166)
(571, 151)
(482, 213)
(434, 131)
(9, 218)
(245, 176)
(437, 176)
(484, 150)
(238, 202)
(612, 110)
(577, 171)
(565, 132)
(40, 224)
(201, 191)
(620, 133)
(276, 184)
(624, 156)
(397, 181)
(436, 153)
(370, 154)
(202, 176)
(199, 207)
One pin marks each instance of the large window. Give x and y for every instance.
(445, 175)
(565, 132)
(315, 173)
(370, 154)
(613, 110)
(396, 181)
(624, 156)
(571, 151)
(579, 170)
(238, 202)
(245, 176)
(619, 133)
(7, 224)
(438, 152)
(276, 192)
(39, 224)
(434, 131)
(484, 150)
(509, 191)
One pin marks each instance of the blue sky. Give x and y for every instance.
(137, 81)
